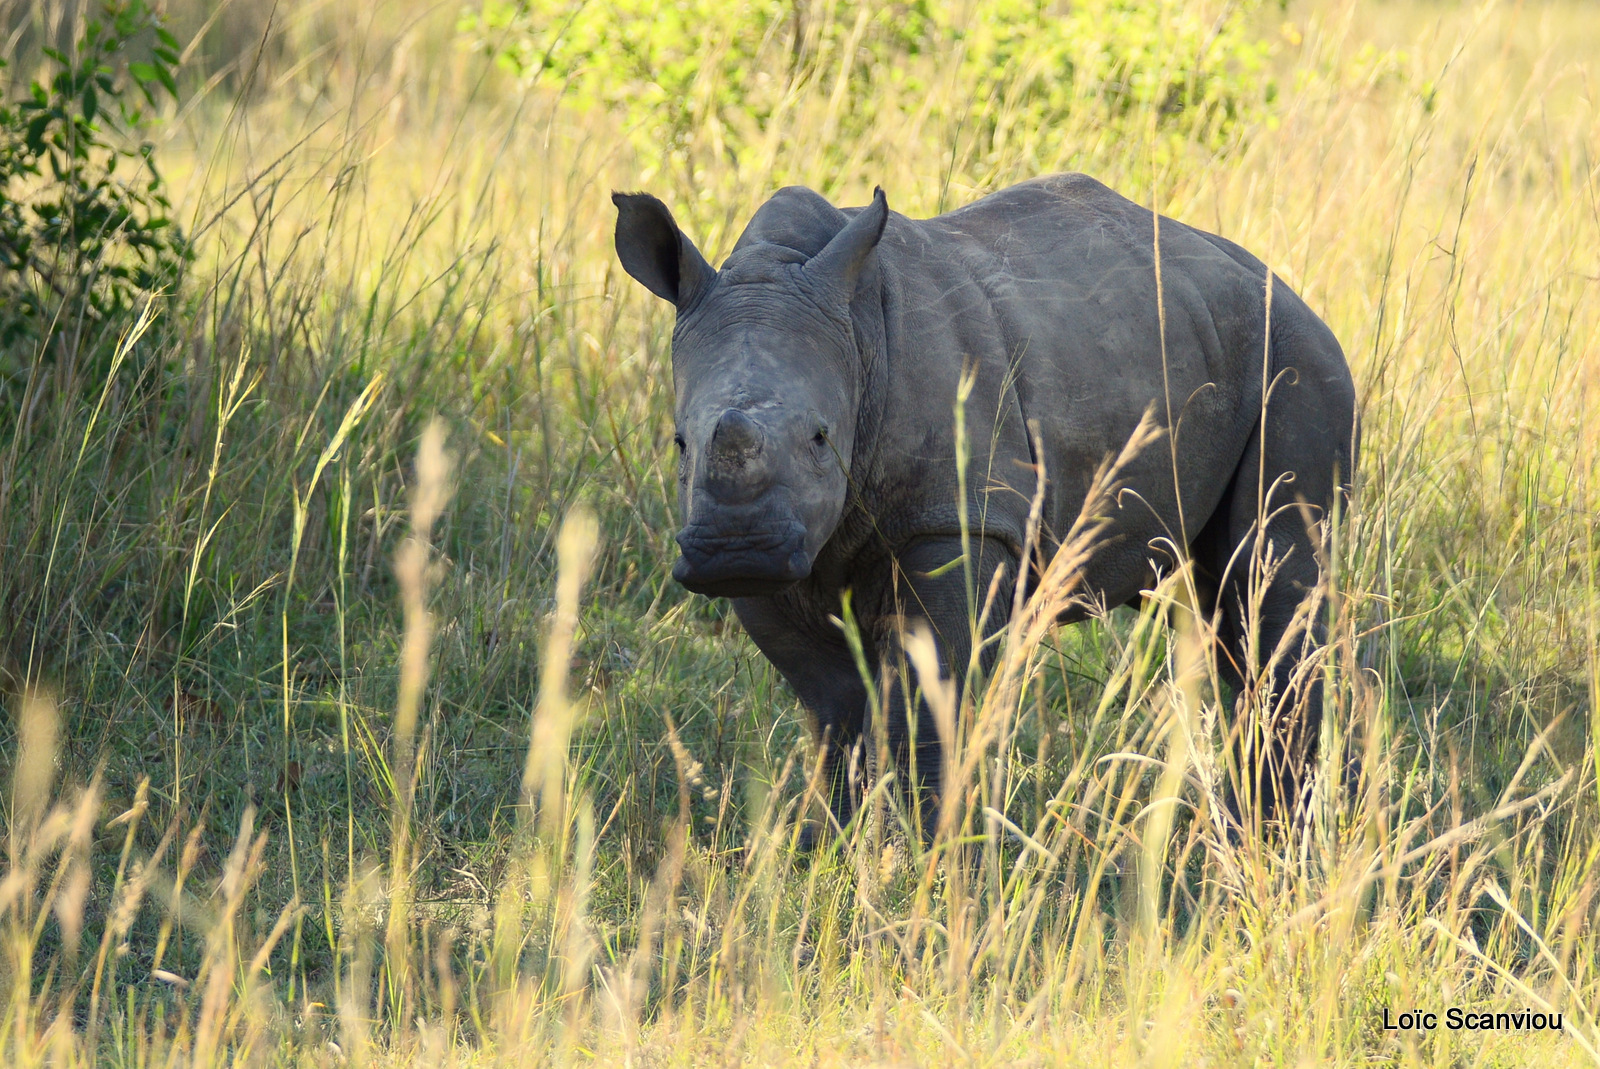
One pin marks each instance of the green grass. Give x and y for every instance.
(226, 845)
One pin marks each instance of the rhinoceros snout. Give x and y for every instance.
(743, 560)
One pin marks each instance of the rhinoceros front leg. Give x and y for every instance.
(931, 584)
(817, 664)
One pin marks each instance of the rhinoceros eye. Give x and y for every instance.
(677, 440)
(820, 439)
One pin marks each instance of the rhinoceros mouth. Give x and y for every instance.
(742, 564)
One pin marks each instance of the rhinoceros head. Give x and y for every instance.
(768, 378)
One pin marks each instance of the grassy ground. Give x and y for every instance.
(289, 787)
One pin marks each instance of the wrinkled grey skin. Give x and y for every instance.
(816, 376)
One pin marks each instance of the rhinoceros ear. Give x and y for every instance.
(656, 253)
(839, 264)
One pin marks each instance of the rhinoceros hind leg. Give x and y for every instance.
(1260, 557)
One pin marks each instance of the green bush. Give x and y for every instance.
(85, 225)
(671, 68)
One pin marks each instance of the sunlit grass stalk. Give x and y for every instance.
(412, 566)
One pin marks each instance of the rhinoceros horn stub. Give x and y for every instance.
(836, 268)
(658, 254)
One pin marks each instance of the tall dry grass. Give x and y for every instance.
(343, 736)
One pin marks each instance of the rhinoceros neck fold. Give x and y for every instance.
(871, 316)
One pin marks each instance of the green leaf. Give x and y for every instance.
(34, 137)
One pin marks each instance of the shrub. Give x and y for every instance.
(671, 68)
(85, 225)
